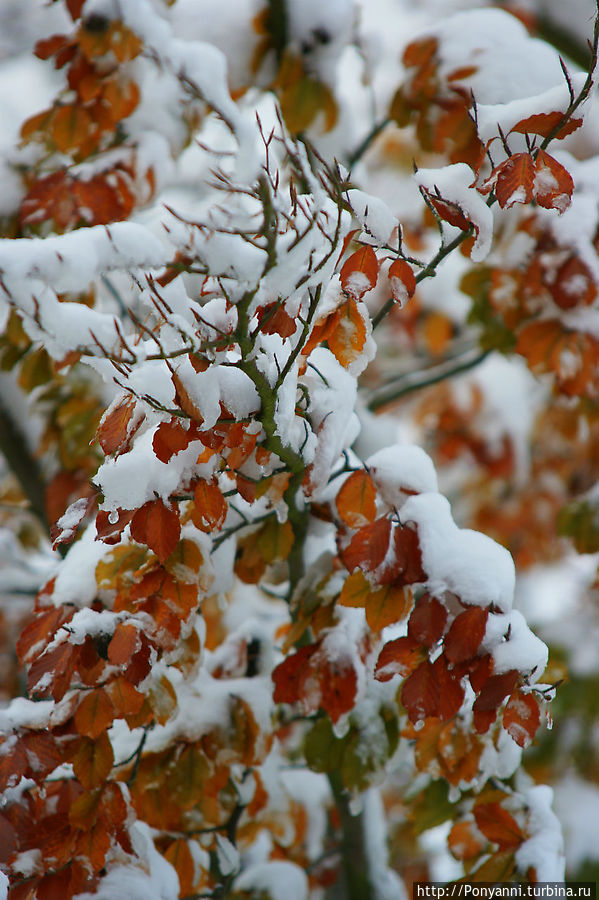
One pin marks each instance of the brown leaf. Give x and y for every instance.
(464, 841)
(124, 643)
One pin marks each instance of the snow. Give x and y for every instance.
(468, 563)
(281, 880)
(375, 217)
(523, 650)
(76, 574)
(158, 881)
(491, 117)
(400, 469)
(577, 807)
(454, 183)
(544, 850)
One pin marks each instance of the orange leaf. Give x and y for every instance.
(347, 338)
(464, 841)
(180, 858)
(113, 430)
(427, 622)
(356, 500)
(521, 718)
(210, 507)
(368, 547)
(70, 128)
(402, 281)
(95, 713)
(544, 123)
(125, 699)
(497, 825)
(360, 272)
(170, 438)
(122, 96)
(387, 605)
(553, 184)
(124, 643)
(157, 526)
(514, 180)
(467, 630)
(398, 657)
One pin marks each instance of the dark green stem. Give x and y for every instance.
(23, 466)
(358, 885)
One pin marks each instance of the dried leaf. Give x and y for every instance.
(498, 826)
(398, 657)
(522, 717)
(356, 500)
(467, 630)
(359, 273)
(157, 526)
(427, 622)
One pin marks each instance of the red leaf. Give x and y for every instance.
(402, 281)
(494, 691)
(427, 621)
(521, 718)
(53, 670)
(338, 686)
(360, 272)
(449, 212)
(420, 693)
(278, 321)
(553, 184)
(480, 671)
(462, 641)
(158, 527)
(451, 692)
(289, 674)
(406, 568)
(41, 630)
(368, 547)
(398, 657)
(498, 825)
